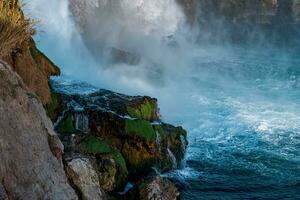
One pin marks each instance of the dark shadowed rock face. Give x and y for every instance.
(248, 21)
(30, 151)
(121, 134)
(190, 9)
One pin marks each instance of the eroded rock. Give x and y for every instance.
(29, 169)
(84, 177)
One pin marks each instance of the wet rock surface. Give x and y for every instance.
(122, 135)
(157, 188)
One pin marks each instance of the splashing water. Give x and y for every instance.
(172, 158)
(240, 106)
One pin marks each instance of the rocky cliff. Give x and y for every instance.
(38, 69)
(30, 151)
(19, 50)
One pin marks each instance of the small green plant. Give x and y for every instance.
(15, 28)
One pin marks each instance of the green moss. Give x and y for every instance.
(134, 112)
(158, 129)
(147, 109)
(52, 106)
(144, 111)
(120, 161)
(66, 126)
(96, 145)
(140, 128)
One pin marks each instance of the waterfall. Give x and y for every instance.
(158, 141)
(173, 158)
(183, 148)
(183, 143)
(82, 122)
(59, 119)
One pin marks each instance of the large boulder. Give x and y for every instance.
(30, 151)
(84, 177)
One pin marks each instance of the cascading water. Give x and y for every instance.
(81, 122)
(172, 158)
(240, 106)
(158, 141)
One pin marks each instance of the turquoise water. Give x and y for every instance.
(242, 112)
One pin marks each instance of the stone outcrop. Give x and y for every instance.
(84, 177)
(123, 135)
(30, 151)
(157, 188)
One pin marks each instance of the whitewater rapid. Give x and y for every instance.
(240, 106)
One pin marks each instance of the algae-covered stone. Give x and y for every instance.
(140, 128)
(124, 136)
(94, 145)
(146, 110)
(111, 165)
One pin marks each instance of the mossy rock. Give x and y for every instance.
(66, 126)
(147, 110)
(101, 148)
(140, 128)
(122, 168)
(94, 145)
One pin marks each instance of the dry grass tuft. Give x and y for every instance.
(15, 28)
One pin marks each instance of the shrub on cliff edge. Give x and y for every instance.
(15, 29)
